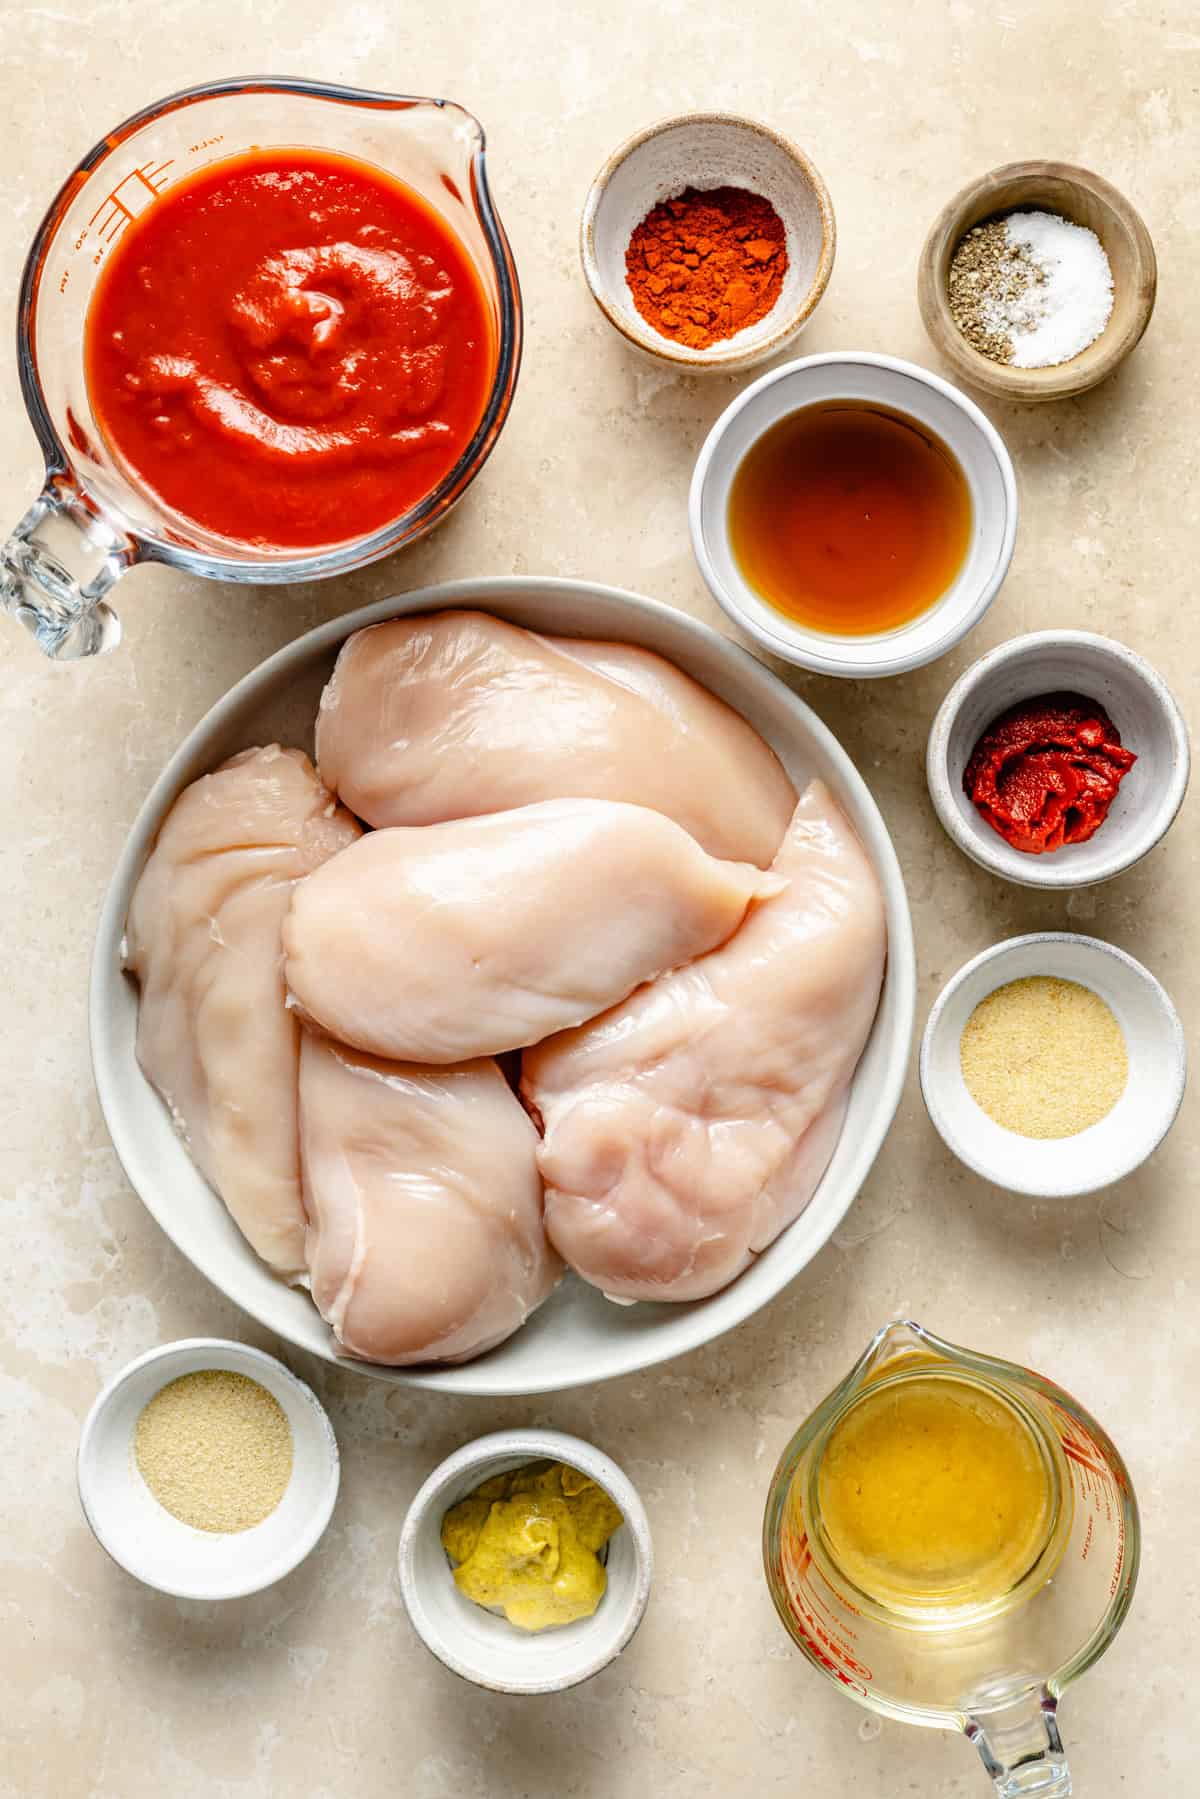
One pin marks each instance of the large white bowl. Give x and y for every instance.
(577, 1336)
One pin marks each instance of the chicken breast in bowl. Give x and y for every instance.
(458, 713)
(425, 1237)
(684, 1129)
(202, 941)
(439, 943)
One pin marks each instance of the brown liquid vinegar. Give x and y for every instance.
(851, 519)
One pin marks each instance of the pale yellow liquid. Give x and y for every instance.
(933, 1490)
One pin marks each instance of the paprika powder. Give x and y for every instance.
(707, 264)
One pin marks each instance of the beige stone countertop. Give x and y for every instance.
(318, 1687)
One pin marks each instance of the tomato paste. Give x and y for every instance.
(290, 348)
(1046, 771)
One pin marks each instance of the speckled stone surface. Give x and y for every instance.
(318, 1687)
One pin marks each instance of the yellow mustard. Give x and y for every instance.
(526, 1543)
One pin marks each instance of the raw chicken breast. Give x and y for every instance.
(687, 1127)
(202, 939)
(433, 718)
(425, 1240)
(444, 942)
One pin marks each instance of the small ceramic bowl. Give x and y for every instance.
(706, 150)
(156, 1547)
(484, 1647)
(1083, 198)
(902, 387)
(1108, 1151)
(1139, 703)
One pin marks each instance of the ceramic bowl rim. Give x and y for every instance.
(1002, 951)
(731, 359)
(802, 648)
(184, 1349)
(536, 1443)
(1042, 871)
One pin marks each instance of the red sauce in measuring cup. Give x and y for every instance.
(290, 347)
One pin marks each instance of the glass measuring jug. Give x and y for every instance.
(91, 522)
(995, 1670)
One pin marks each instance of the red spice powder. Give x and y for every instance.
(706, 264)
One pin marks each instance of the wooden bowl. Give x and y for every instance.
(1085, 199)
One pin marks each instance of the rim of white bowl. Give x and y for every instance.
(1042, 871)
(476, 1457)
(997, 952)
(183, 1349)
(729, 356)
(803, 648)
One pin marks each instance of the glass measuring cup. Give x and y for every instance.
(996, 1672)
(91, 522)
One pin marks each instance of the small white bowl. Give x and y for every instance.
(158, 1548)
(1139, 703)
(881, 381)
(706, 150)
(484, 1647)
(1060, 1167)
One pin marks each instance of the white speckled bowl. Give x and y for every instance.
(706, 150)
(484, 1647)
(971, 438)
(1139, 703)
(156, 1547)
(1060, 1167)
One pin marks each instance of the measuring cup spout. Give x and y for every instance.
(1022, 1750)
(55, 570)
(899, 1339)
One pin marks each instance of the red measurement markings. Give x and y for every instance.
(829, 1650)
(131, 196)
(797, 1555)
(1081, 1454)
(1076, 1434)
(1098, 1476)
(1115, 1582)
(797, 1559)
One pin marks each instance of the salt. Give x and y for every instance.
(1071, 303)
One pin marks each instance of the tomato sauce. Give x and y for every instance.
(290, 348)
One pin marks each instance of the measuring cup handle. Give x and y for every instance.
(1022, 1750)
(57, 567)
